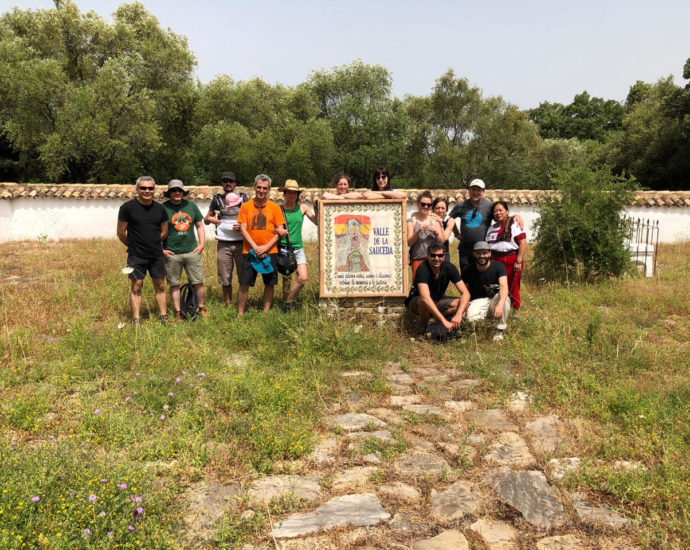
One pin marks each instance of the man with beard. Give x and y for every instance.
(487, 282)
(223, 212)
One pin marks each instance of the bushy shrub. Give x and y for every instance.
(581, 230)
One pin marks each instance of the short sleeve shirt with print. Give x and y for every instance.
(182, 218)
(143, 227)
(437, 285)
(228, 217)
(474, 221)
(261, 223)
(497, 244)
(477, 282)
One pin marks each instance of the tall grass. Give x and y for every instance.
(87, 407)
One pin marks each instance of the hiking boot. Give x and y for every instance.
(164, 320)
(498, 337)
(179, 316)
(202, 311)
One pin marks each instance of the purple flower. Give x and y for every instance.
(178, 380)
(202, 375)
(110, 533)
(138, 512)
(191, 385)
(131, 527)
(35, 499)
(162, 417)
(104, 480)
(97, 411)
(101, 513)
(135, 393)
(51, 339)
(166, 407)
(93, 498)
(87, 532)
(137, 374)
(184, 372)
(136, 499)
(128, 399)
(80, 311)
(123, 486)
(171, 394)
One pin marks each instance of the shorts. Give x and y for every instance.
(300, 256)
(442, 304)
(193, 266)
(155, 267)
(248, 273)
(229, 256)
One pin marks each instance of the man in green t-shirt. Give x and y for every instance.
(181, 249)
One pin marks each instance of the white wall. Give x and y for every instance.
(30, 219)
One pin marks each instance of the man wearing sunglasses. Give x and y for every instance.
(142, 226)
(427, 297)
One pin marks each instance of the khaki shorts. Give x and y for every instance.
(229, 256)
(192, 264)
(442, 304)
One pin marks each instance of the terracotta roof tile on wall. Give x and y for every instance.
(515, 197)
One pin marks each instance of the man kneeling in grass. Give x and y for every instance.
(427, 297)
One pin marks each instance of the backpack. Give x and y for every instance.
(189, 304)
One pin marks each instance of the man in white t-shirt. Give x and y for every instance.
(223, 214)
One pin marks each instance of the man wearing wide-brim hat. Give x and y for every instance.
(294, 214)
(181, 249)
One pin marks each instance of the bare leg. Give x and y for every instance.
(299, 282)
(268, 297)
(286, 286)
(227, 294)
(135, 298)
(200, 293)
(175, 297)
(243, 297)
(159, 289)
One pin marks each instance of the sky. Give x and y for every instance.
(527, 51)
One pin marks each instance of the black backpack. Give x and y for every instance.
(189, 304)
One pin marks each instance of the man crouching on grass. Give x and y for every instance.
(142, 226)
(427, 297)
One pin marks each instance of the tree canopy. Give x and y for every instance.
(86, 100)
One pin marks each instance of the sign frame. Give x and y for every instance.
(330, 248)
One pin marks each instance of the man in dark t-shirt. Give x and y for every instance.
(142, 226)
(427, 297)
(487, 283)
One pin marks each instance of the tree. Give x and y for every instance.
(369, 126)
(581, 232)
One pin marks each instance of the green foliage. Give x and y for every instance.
(581, 231)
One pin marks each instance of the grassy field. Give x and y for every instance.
(103, 426)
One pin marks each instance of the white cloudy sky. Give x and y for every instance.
(528, 51)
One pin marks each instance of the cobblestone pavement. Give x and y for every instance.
(431, 465)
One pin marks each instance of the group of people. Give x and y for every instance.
(160, 239)
(491, 257)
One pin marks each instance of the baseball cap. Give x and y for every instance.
(477, 183)
(228, 176)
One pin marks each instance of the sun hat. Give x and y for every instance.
(176, 184)
(481, 245)
(261, 265)
(477, 183)
(232, 199)
(290, 185)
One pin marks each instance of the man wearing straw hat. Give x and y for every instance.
(181, 249)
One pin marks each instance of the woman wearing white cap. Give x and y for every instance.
(294, 214)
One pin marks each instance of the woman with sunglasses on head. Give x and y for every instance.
(381, 187)
(423, 229)
(440, 208)
(508, 243)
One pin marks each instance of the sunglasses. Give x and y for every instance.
(425, 205)
(177, 191)
(142, 188)
(436, 255)
(228, 181)
(381, 177)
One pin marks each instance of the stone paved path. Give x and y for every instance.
(435, 464)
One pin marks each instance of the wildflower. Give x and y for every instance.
(51, 339)
(136, 499)
(80, 311)
(97, 411)
(110, 533)
(130, 528)
(137, 374)
(166, 407)
(162, 417)
(171, 394)
(184, 372)
(35, 499)
(87, 532)
(123, 486)
(101, 513)
(138, 513)
(93, 498)
(128, 399)
(178, 380)
(104, 480)
(202, 375)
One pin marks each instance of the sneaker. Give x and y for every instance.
(498, 337)
(286, 307)
(164, 320)
(202, 311)
(179, 316)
